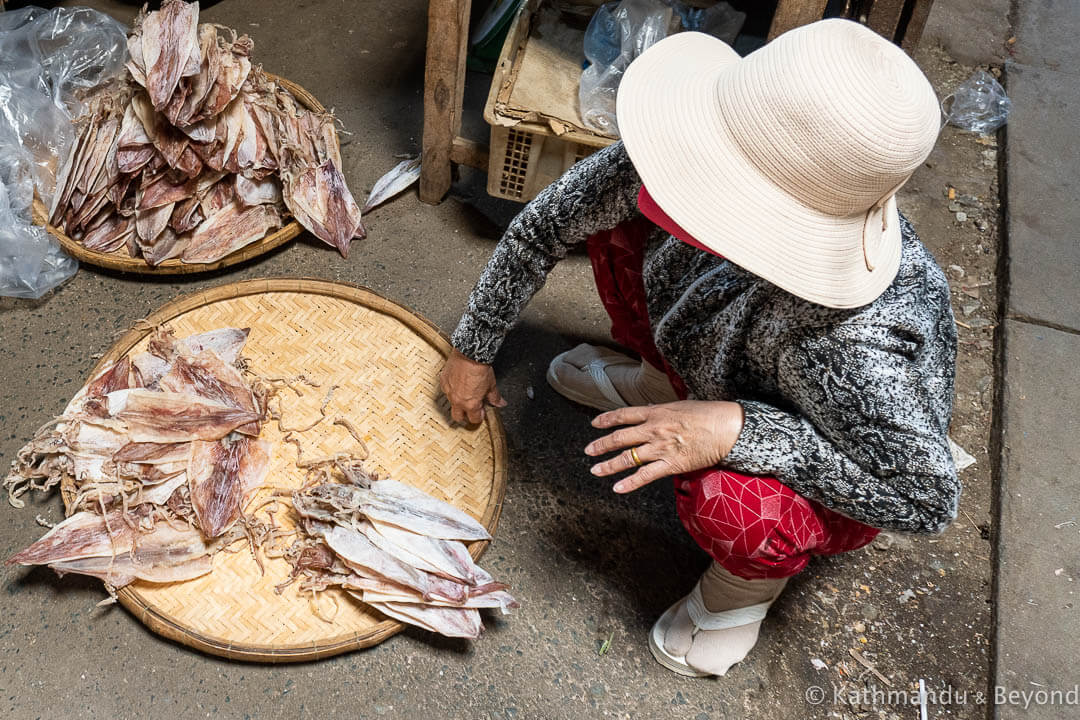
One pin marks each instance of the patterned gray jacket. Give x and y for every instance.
(847, 407)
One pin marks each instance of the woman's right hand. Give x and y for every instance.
(467, 384)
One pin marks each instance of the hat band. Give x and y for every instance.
(871, 222)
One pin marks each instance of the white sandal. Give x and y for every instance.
(702, 620)
(586, 380)
(600, 393)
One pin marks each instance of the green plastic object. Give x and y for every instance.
(489, 34)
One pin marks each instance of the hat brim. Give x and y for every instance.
(673, 129)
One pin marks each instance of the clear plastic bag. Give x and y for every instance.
(46, 58)
(637, 24)
(620, 31)
(979, 104)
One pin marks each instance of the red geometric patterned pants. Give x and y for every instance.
(755, 527)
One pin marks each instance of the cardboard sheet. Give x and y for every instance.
(549, 71)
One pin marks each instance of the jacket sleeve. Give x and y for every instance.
(868, 436)
(596, 194)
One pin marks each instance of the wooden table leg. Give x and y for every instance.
(884, 17)
(444, 91)
(794, 13)
(919, 13)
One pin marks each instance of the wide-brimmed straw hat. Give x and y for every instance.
(787, 161)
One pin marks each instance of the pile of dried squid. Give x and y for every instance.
(160, 452)
(198, 153)
(162, 455)
(394, 547)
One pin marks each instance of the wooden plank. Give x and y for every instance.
(502, 82)
(884, 17)
(469, 152)
(794, 13)
(444, 91)
(915, 25)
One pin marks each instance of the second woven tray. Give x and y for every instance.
(120, 260)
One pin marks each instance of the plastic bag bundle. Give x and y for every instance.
(979, 104)
(46, 58)
(617, 33)
(620, 31)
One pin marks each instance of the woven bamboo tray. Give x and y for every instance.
(120, 260)
(385, 361)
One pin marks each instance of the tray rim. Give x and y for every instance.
(163, 624)
(174, 266)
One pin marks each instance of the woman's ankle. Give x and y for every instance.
(654, 385)
(722, 590)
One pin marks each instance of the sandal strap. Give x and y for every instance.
(705, 620)
(603, 382)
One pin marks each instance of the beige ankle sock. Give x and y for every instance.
(642, 384)
(680, 634)
(722, 590)
(656, 384)
(715, 651)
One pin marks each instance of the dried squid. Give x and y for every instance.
(395, 548)
(161, 453)
(198, 153)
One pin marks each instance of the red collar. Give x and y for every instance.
(651, 210)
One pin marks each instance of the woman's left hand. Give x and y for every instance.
(668, 439)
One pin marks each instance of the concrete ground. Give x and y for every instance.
(587, 565)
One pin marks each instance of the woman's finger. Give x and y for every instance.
(619, 439)
(495, 399)
(647, 474)
(625, 460)
(466, 412)
(623, 416)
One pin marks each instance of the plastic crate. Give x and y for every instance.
(522, 163)
(533, 144)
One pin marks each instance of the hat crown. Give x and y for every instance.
(832, 114)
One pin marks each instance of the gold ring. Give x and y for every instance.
(633, 454)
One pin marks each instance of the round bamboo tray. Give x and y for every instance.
(385, 361)
(120, 260)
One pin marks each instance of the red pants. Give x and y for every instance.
(755, 527)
